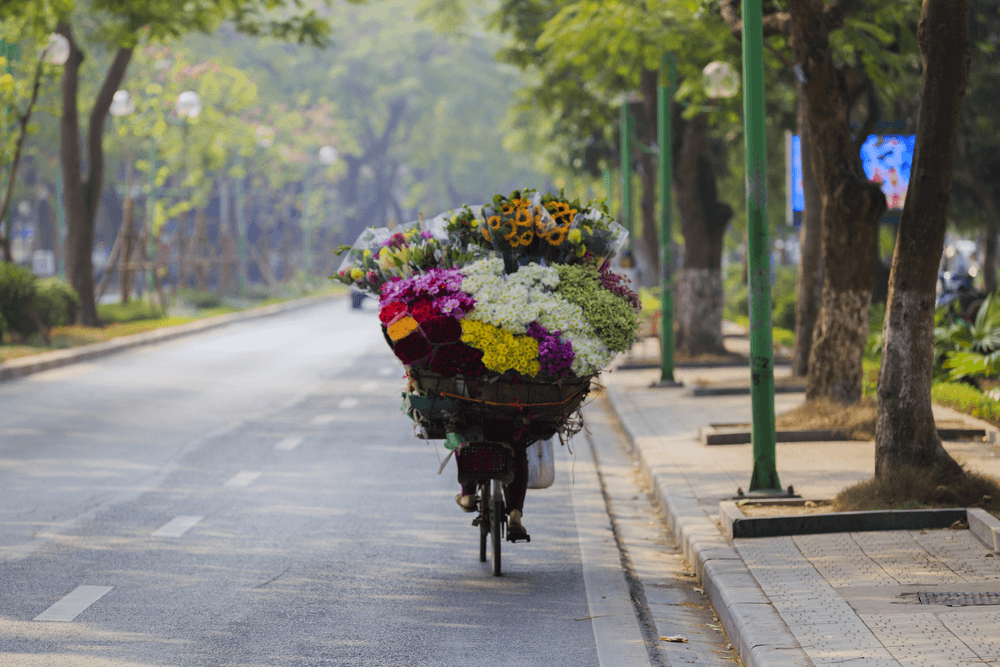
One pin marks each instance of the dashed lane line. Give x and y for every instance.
(242, 479)
(288, 443)
(177, 526)
(74, 603)
(349, 403)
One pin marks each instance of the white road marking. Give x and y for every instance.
(242, 479)
(288, 443)
(616, 629)
(73, 604)
(387, 371)
(177, 526)
(369, 386)
(349, 403)
(322, 420)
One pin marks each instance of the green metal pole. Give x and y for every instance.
(626, 155)
(765, 474)
(607, 183)
(241, 233)
(668, 74)
(151, 246)
(60, 226)
(306, 228)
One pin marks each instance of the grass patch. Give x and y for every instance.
(856, 421)
(916, 488)
(133, 311)
(966, 398)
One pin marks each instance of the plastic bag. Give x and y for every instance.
(541, 466)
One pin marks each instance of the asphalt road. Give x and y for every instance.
(252, 495)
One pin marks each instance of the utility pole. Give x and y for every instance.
(765, 474)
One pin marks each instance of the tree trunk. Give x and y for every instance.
(703, 222)
(905, 434)
(83, 195)
(850, 212)
(809, 284)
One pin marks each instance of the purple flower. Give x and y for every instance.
(556, 357)
(426, 234)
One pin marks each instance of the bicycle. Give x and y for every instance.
(488, 465)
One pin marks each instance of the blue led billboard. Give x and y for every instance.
(886, 159)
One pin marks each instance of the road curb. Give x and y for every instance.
(36, 363)
(753, 625)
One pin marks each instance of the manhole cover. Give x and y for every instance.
(959, 599)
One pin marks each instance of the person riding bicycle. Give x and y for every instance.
(514, 494)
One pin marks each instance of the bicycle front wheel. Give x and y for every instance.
(496, 523)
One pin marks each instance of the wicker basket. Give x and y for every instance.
(506, 408)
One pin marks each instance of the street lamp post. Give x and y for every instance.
(123, 105)
(327, 156)
(668, 75)
(765, 475)
(57, 53)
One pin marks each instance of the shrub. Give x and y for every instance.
(56, 302)
(17, 293)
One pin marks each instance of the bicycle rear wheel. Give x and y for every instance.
(484, 521)
(496, 523)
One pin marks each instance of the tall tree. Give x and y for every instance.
(127, 23)
(851, 206)
(905, 435)
(589, 56)
(29, 29)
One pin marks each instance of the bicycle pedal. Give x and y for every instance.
(478, 521)
(518, 538)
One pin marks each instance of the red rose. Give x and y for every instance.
(391, 310)
(458, 359)
(412, 348)
(423, 310)
(441, 329)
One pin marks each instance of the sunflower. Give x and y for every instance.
(557, 235)
(526, 237)
(494, 221)
(523, 217)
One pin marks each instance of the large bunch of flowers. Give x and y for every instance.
(521, 286)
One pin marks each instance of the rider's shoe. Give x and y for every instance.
(467, 503)
(515, 531)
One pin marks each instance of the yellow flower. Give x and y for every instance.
(402, 328)
(357, 274)
(502, 350)
(575, 236)
(367, 253)
(557, 235)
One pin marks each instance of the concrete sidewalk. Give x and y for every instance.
(841, 598)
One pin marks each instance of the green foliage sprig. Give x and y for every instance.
(613, 319)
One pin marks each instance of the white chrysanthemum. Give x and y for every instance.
(512, 302)
(590, 354)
